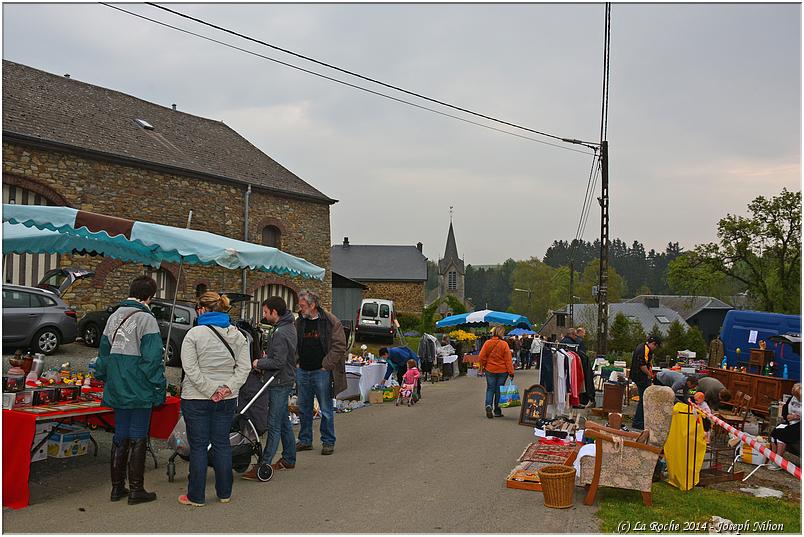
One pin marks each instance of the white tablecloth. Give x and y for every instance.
(369, 376)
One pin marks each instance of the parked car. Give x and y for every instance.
(60, 279)
(92, 324)
(376, 317)
(36, 319)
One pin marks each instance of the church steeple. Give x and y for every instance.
(451, 267)
(451, 251)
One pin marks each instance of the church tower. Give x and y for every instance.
(451, 268)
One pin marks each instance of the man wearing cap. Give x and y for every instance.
(641, 373)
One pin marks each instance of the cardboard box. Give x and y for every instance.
(24, 398)
(68, 441)
(44, 396)
(751, 455)
(41, 432)
(375, 397)
(65, 394)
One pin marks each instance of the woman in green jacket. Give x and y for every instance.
(130, 364)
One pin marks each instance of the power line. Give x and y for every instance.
(369, 79)
(355, 86)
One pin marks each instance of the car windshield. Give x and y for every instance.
(369, 309)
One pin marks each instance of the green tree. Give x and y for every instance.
(589, 278)
(762, 252)
(534, 278)
(676, 340)
(696, 342)
(636, 335)
(620, 333)
(687, 275)
(656, 332)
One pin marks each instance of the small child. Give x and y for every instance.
(409, 381)
(700, 400)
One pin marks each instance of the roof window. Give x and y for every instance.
(144, 124)
(662, 319)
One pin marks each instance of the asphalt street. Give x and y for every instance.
(439, 466)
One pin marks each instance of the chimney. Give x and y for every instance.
(174, 107)
(66, 75)
(419, 246)
(652, 302)
(346, 242)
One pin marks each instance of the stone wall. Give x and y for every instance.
(408, 297)
(143, 194)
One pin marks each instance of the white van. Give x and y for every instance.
(376, 317)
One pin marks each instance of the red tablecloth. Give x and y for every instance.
(18, 433)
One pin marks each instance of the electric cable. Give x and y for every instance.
(369, 79)
(332, 79)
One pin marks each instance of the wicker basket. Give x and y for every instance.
(558, 486)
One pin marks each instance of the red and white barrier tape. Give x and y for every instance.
(751, 441)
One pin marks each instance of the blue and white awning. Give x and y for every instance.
(485, 317)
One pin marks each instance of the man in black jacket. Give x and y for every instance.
(321, 371)
(281, 363)
(641, 373)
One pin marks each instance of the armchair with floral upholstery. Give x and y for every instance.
(626, 459)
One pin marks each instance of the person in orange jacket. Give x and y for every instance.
(496, 360)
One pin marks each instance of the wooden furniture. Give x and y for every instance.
(736, 418)
(613, 397)
(763, 390)
(757, 359)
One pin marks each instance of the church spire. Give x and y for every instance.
(451, 252)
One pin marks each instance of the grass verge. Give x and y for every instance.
(675, 511)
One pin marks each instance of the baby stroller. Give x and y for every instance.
(407, 393)
(243, 437)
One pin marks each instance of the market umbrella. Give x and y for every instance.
(18, 239)
(521, 332)
(154, 241)
(485, 316)
(131, 239)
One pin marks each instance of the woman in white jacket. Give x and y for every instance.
(216, 362)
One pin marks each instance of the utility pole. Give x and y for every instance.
(602, 292)
(571, 301)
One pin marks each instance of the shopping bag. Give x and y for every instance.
(509, 395)
(177, 441)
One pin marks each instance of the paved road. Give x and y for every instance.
(437, 467)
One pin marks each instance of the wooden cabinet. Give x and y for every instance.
(763, 390)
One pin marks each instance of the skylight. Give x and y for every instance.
(144, 124)
(662, 319)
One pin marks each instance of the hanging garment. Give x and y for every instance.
(576, 378)
(546, 369)
(588, 393)
(562, 378)
(685, 447)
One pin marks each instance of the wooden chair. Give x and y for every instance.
(739, 413)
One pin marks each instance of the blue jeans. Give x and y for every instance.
(309, 383)
(639, 418)
(208, 423)
(131, 423)
(279, 426)
(493, 383)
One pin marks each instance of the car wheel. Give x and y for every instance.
(46, 341)
(91, 335)
(173, 357)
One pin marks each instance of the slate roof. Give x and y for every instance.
(584, 313)
(379, 263)
(687, 306)
(450, 254)
(43, 107)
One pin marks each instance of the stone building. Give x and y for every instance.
(66, 142)
(395, 273)
(451, 269)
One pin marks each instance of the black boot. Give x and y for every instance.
(119, 463)
(136, 471)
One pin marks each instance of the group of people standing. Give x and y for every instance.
(309, 352)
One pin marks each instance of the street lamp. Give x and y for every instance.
(528, 291)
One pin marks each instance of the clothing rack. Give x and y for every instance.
(560, 345)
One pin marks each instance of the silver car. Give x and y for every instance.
(36, 319)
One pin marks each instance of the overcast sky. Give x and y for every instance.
(704, 113)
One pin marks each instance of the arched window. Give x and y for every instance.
(271, 236)
(26, 269)
(255, 305)
(165, 283)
